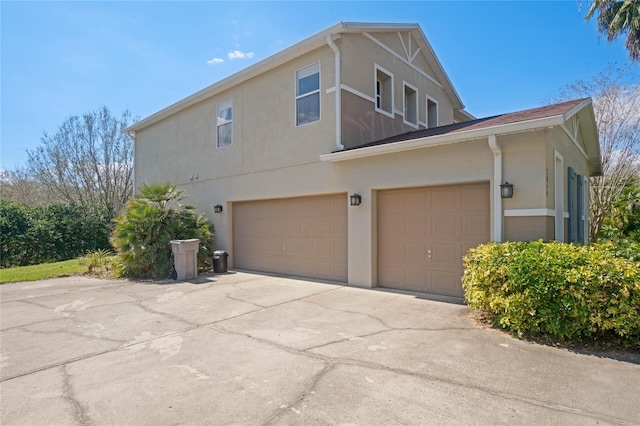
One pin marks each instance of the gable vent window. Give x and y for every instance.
(225, 123)
(308, 94)
(384, 91)
(410, 105)
(432, 113)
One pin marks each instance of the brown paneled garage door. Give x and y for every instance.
(305, 236)
(424, 232)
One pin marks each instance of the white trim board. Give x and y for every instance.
(394, 53)
(533, 212)
(529, 212)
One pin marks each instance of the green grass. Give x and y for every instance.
(43, 271)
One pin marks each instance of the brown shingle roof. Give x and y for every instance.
(497, 120)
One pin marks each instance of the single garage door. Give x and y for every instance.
(424, 232)
(305, 236)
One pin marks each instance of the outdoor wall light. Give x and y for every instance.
(355, 199)
(506, 190)
(217, 209)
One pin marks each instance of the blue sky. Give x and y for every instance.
(65, 58)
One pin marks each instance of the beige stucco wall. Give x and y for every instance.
(362, 124)
(523, 159)
(359, 57)
(528, 228)
(265, 136)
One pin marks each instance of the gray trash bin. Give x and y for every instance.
(220, 261)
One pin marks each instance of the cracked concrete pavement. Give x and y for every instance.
(242, 348)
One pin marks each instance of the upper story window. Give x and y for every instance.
(225, 123)
(384, 91)
(432, 113)
(308, 94)
(410, 100)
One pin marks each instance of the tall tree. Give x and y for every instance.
(18, 186)
(89, 160)
(616, 18)
(616, 103)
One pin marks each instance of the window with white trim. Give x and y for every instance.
(384, 91)
(432, 113)
(224, 126)
(410, 101)
(308, 94)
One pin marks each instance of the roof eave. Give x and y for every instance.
(449, 138)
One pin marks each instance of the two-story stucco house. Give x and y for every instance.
(367, 109)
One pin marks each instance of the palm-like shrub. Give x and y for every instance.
(147, 225)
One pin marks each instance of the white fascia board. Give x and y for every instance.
(576, 109)
(445, 139)
(356, 27)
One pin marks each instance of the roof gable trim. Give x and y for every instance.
(398, 56)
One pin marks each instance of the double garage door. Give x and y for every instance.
(422, 235)
(305, 236)
(424, 232)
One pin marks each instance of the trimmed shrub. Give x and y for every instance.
(565, 291)
(147, 225)
(34, 235)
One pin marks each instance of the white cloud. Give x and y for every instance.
(237, 54)
(215, 61)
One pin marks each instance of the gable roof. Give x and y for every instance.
(315, 41)
(530, 119)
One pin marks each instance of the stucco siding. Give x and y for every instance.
(362, 124)
(528, 228)
(360, 55)
(182, 147)
(523, 160)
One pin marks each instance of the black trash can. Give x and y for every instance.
(220, 261)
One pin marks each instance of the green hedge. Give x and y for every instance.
(565, 291)
(34, 235)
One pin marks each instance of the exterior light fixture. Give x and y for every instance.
(217, 208)
(506, 190)
(355, 199)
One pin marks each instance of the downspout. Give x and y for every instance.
(497, 179)
(132, 135)
(338, 61)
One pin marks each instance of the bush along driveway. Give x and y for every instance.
(241, 348)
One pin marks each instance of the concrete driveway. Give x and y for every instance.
(254, 349)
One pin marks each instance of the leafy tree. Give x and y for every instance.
(147, 225)
(624, 220)
(616, 103)
(616, 18)
(87, 161)
(20, 187)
